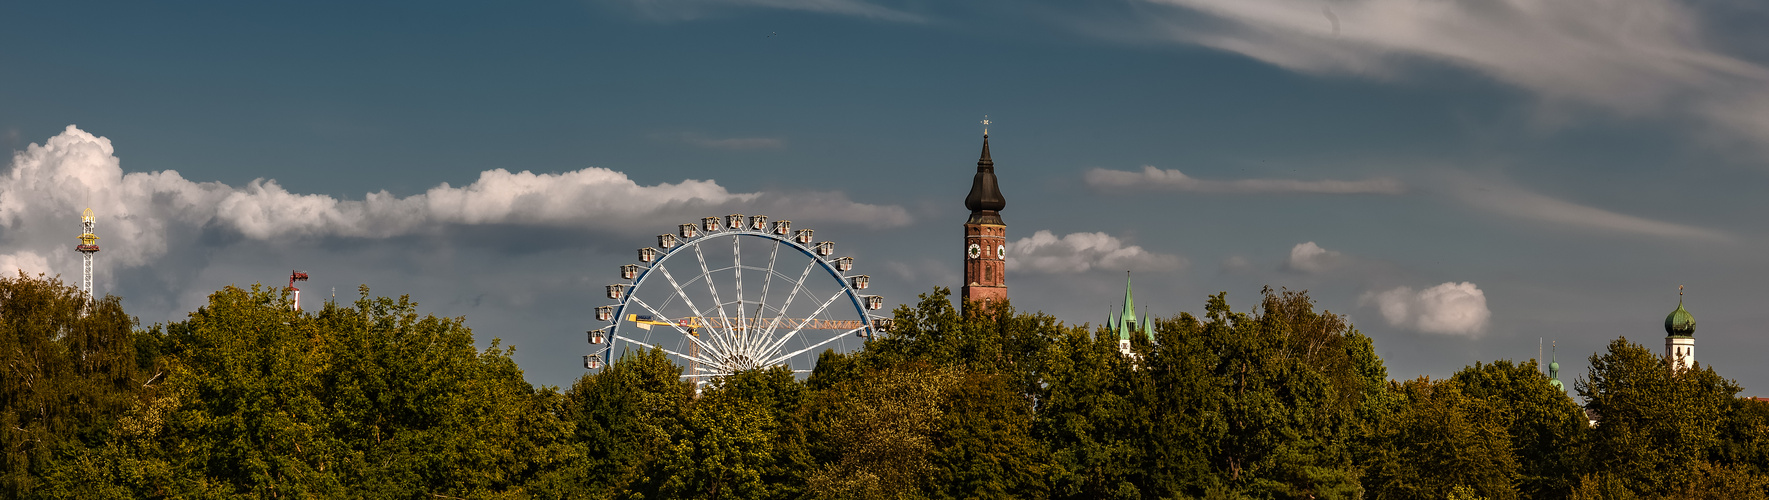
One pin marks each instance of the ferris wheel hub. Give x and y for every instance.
(684, 300)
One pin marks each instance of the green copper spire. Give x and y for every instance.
(1680, 323)
(1148, 324)
(1127, 319)
(1554, 370)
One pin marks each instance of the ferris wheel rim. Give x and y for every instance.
(766, 344)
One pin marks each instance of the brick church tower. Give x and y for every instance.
(985, 236)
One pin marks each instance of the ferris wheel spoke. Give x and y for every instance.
(767, 284)
(737, 272)
(684, 294)
(708, 277)
(788, 304)
(767, 280)
(806, 321)
(814, 346)
(666, 351)
(775, 346)
(708, 344)
(673, 324)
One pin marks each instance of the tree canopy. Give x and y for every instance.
(374, 399)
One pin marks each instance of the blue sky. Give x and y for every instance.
(1462, 178)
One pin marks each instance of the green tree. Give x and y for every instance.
(1744, 436)
(1444, 441)
(984, 446)
(1708, 480)
(422, 411)
(874, 436)
(984, 420)
(740, 440)
(1290, 387)
(994, 339)
(627, 417)
(1547, 428)
(68, 373)
(371, 401)
(1654, 422)
(1089, 420)
(246, 376)
(1177, 386)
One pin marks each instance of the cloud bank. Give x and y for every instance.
(1155, 179)
(1516, 202)
(1628, 57)
(143, 215)
(1447, 309)
(1310, 258)
(1044, 252)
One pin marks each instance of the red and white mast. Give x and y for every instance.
(294, 277)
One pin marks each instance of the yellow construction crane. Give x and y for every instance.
(694, 323)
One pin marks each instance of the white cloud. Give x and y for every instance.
(1311, 258)
(1446, 309)
(1516, 202)
(27, 261)
(1156, 179)
(143, 215)
(1044, 252)
(1631, 57)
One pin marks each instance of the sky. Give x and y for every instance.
(1464, 179)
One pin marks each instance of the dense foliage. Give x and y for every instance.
(249, 398)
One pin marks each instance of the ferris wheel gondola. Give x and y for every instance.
(684, 299)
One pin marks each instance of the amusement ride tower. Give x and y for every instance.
(88, 246)
(294, 277)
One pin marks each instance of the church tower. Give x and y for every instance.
(1680, 335)
(1554, 370)
(1124, 323)
(985, 235)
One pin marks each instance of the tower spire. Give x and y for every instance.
(985, 201)
(1126, 318)
(985, 235)
(1554, 369)
(1127, 322)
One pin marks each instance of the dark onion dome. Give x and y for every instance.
(1680, 323)
(985, 196)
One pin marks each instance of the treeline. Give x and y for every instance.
(374, 400)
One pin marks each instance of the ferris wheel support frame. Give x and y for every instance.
(751, 339)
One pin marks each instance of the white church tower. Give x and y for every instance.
(1680, 336)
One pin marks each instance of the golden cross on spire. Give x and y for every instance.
(985, 125)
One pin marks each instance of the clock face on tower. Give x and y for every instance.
(1001, 252)
(975, 251)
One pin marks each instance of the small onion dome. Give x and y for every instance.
(1680, 323)
(1554, 376)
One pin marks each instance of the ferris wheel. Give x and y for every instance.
(734, 294)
